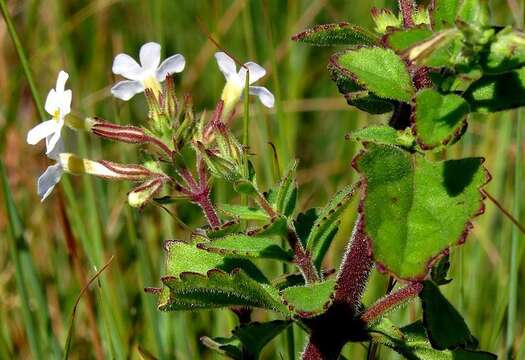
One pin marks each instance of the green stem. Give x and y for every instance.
(23, 59)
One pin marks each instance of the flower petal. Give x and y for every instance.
(54, 139)
(61, 81)
(226, 65)
(47, 181)
(126, 89)
(173, 64)
(126, 66)
(57, 150)
(256, 72)
(264, 95)
(41, 131)
(65, 102)
(150, 56)
(51, 102)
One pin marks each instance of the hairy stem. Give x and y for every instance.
(406, 7)
(355, 268)
(391, 301)
(318, 348)
(301, 257)
(203, 200)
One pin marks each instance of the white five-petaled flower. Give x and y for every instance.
(146, 75)
(235, 82)
(58, 105)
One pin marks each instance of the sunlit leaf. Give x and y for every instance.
(336, 34)
(309, 300)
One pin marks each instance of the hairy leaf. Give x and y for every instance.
(384, 135)
(415, 209)
(475, 12)
(286, 193)
(403, 39)
(309, 300)
(244, 212)
(443, 13)
(327, 223)
(241, 245)
(277, 226)
(506, 52)
(304, 223)
(336, 34)
(443, 49)
(439, 119)
(494, 93)
(378, 70)
(445, 326)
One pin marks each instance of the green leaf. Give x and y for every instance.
(443, 49)
(278, 226)
(243, 212)
(230, 347)
(226, 228)
(475, 12)
(286, 192)
(384, 135)
(327, 224)
(304, 223)
(336, 34)
(440, 271)
(440, 119)
(378, 70)
(309, 300)
(416, 209)
(254, 336)
(413, 344)
(386, 20)
(494, 93)
(445, 326)
(241, 245)
(403, 39)
(443, 13)
(506, 52)
(217, 289)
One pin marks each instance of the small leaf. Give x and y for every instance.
(384, 135)
(286, 192)
(439, 119)
(243, 212)
(241, 245)
(416, 209)
(403, 39)
(445, 326)
(304, 223)
(494, 93)
(386, 20)
(440, 271)
(443, 13)
(327, 224)
(230, 347)
(443, 49)
(475, 12)
(278, 226)
(506, 52)
(254, 336)
(218, 289)
(226, 228)
(309, 300)
(336, 34)
(378, 70)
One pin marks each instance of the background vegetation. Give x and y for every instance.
(48, 254)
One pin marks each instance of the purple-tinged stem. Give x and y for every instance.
(391, 301)
(301, 257)
(203, 200)
(407, 8)
(355, 268)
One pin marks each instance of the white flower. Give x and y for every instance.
(146, 75)
(58, 105)
(235, 82)
(47, 181)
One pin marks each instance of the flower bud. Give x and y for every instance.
(127, 134)
(139, 196)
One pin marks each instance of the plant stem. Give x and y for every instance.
(406, 7)
(505, 211)
(23, 59)
(302, 258)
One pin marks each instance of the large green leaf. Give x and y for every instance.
(327, 223)
(416, 209)
(445, 326)
(378, 70)
(403, 39)
(506, 52)
(384, 135)
(474, 12)
(244, 212)
(242, 245)
(309, 300)
(336, 34)
(413, 344)
(494, 93)
(440, 119)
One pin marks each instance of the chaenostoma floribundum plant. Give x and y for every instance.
(428, 67)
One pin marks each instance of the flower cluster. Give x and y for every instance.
(171, 127)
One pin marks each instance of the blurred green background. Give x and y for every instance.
(47, 256)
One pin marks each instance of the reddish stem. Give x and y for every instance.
(407, 8)
(301, 257)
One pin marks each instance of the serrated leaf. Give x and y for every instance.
(443, 49)
(278, 226)
(439, 119)
(494, 93)
(286, 192)
(403, 39)
(336, 34)
(378, 70)
(475, 12)
(309, 300)
(384, 135)
(414, 345)
(226, 228)
(254, 336)
(327, 223)
(243, 212)
(218, 289)
(242, 245)
(506, 52)
(416, 209)
(446, 328)
(443, 13)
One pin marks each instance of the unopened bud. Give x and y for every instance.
(127, 134)
(139, 196)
